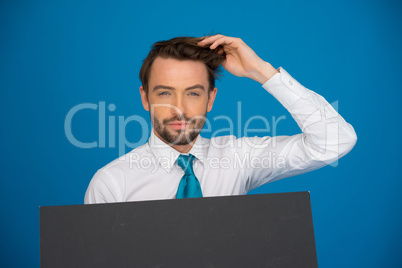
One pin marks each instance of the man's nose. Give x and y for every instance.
(179, 107)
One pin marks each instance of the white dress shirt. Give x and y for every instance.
(227, 165)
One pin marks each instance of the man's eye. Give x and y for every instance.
(194, 94)
(163, 93)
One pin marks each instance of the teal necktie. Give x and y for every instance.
(189, 186)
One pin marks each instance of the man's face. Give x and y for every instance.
(178, 99)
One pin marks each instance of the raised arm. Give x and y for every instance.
(325, 136)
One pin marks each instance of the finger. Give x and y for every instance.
(220, 50)
(210, 39)
(221, 41)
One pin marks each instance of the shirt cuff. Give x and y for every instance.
(285, 88)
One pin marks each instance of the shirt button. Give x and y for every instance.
(291, 82)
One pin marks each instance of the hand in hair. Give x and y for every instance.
(241, 60)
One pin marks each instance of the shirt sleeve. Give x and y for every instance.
(325, 136)
(103, 188)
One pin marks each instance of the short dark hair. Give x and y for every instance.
(184, 48)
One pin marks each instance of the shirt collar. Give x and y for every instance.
(166, 155)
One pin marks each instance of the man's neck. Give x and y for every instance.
(180, 148)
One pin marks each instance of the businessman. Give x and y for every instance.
(178, 89)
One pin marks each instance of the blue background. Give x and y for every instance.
(55, 55)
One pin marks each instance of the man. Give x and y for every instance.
(178, 90)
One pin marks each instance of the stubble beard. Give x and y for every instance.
(182, 136)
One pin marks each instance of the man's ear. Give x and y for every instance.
(211, 99)
(144, 98)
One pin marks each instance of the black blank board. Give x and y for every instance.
(265, 230)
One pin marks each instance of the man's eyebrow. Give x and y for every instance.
(162, 87)
(172, 88)
(196, 86)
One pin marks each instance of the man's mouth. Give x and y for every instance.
(178, 125)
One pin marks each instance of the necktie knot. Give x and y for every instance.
(189, 185)
(186, 163)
